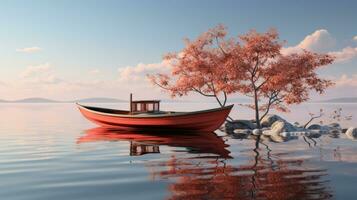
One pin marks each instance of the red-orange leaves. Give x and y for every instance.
(250, 64)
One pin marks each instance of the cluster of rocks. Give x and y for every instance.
(278, 129)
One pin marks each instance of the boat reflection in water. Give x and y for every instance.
(150, 142)
(264, 175)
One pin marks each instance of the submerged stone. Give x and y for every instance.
(240, 124)
(242, 131)
(314, 127)
(269, 120)
(257, 132)
(282, 126)
(351, 133)
(335, 126)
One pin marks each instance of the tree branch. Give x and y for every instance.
(200, 92)
(220, 103)
(311, 119)
(272, 99)
(267, 109)
(161, 86)
(225, 98)
(220, 47)
(266, 80)
(256, 66)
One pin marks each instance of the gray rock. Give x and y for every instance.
(268, 120)
(335, 131)
(307, 133)
(332, 129)
(282, 126)
(314, 127)
(242, 131)
(295, 133)
(257, 132)
(240, 124)
(278, 138)
(351, 133)
(325, 129)
(335, 126)
(313, 135)
(297, 124)
(265, 128)
(267, 132)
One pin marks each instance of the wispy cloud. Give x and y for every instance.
(39, 74)
(29, 49)
(139, 72)
(43, 80)
(346, 80)
(345, 54)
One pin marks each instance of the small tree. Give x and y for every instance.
(267, 75)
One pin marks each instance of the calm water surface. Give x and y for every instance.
(49, 151)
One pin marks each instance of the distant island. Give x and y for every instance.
(85, 100)
(341, 100)
(44, 100)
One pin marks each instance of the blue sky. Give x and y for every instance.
(79, 45)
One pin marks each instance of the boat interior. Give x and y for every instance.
(126, 112)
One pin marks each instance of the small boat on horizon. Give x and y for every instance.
(146, 115)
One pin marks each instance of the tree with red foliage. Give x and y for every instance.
(267, 75)
(252, 65)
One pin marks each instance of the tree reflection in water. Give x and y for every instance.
(264, 176)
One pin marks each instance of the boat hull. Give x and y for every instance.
(206, 120)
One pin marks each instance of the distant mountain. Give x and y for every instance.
(342, 100)
(34, 100)
(99, 100)
(44, 100)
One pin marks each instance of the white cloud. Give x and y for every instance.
(322, 41)
(319, 41)
(345, 86)
(29, 49)
(355, 38)
(345, 81)
(345, 54)
(33, 69)
(140, 71)
(39, 74)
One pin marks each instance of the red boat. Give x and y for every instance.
(144, 115)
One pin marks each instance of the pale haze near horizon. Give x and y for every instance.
(69, 50)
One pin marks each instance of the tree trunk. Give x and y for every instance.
(257, 119)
